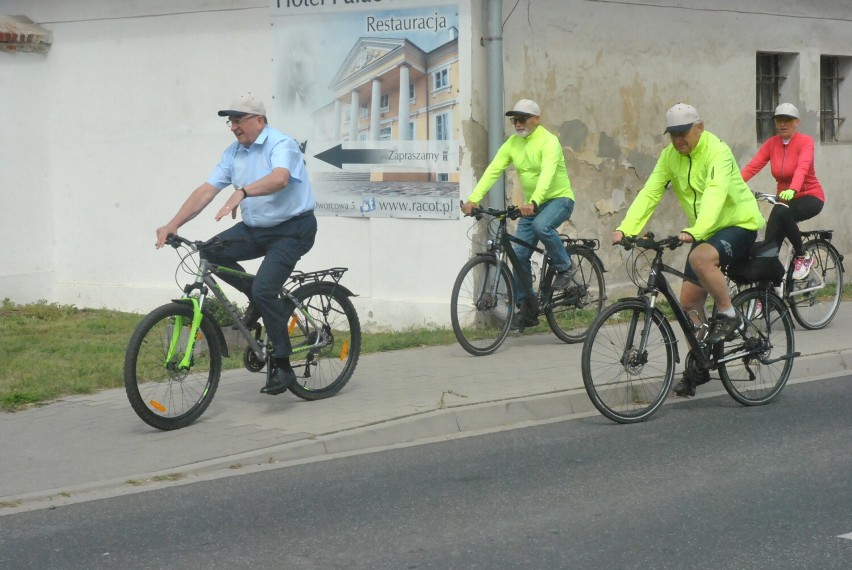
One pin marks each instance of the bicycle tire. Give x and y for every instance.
(571, 312)
(624, 384)
(163, 396)
(815, 309)
(758, 377)
(480, 309)
(322, 372)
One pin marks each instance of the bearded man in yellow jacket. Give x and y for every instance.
(537, 156)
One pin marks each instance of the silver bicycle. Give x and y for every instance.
(815, 299)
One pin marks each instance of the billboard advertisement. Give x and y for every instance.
(371, 88)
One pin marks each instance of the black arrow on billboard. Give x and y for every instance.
(338, 156)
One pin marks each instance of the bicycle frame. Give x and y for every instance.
(788, 292)
(658, 284)
(501, 248)
(204, 283)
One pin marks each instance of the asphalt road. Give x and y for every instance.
(705, 484)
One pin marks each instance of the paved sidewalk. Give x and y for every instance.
(96, 445)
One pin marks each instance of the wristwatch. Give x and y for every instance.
(243, 190)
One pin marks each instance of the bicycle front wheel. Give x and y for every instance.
(572, 311)
(628, 374)
(167, 390)
(481, 306)
(767, 346)
(815, 299)
(325, 347)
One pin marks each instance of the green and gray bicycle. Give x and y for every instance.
(174, 358)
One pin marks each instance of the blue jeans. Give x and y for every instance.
(542, 228)
(281, 247)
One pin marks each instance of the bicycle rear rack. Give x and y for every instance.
(590, 243)
(336, 274)
(820, 234)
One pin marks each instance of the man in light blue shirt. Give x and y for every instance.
(272, 189)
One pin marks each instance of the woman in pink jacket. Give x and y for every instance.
(791, 158)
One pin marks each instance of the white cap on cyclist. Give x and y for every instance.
(787, 110)
(525, 107)
(680, 118)
(245, 104)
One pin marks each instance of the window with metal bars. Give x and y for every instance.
(769, 80)
(830, 96)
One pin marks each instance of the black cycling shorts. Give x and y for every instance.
(732, 243)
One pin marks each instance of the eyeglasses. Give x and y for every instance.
(519, 119)
(679, 134)
(237, 120)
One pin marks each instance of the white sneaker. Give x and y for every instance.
(802, 266)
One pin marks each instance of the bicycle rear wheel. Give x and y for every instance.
(571, 312)
(163, 394)
(815, 299)
(481, 306)
(625, 382)
(767, 344)
(323, 370)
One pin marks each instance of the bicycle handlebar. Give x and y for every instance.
(771, 198)
(511, 212)
(176, 241)
(647, 241)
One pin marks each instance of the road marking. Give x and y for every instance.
(847, 536)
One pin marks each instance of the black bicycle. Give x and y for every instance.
(815, 299)
(174, 358)
(631, 350)
(482, 304)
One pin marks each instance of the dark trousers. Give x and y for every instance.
(782, 221)
(281, 247)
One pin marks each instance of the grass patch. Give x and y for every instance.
(49, 350)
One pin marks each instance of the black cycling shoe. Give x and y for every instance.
(687, 384)
(278, 382)
(723, 327)
(563, 279)
(520, 322)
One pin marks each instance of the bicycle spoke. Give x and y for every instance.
(815, 299)
(768, 346)
(624, 380)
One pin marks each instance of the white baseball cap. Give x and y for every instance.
(680, 118)
(786, 110)
(524, 107)
(245, 104)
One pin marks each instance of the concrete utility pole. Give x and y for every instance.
(493, 42)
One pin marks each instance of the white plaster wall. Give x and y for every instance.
(27, 242)
(117, 124)
(605, 73)
(104, 136)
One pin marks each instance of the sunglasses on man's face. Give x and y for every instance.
(519, 119)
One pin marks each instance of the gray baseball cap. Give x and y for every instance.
(680, 118)
(245, 104)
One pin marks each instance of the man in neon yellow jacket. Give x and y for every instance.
(722, 213)
(537, 156)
